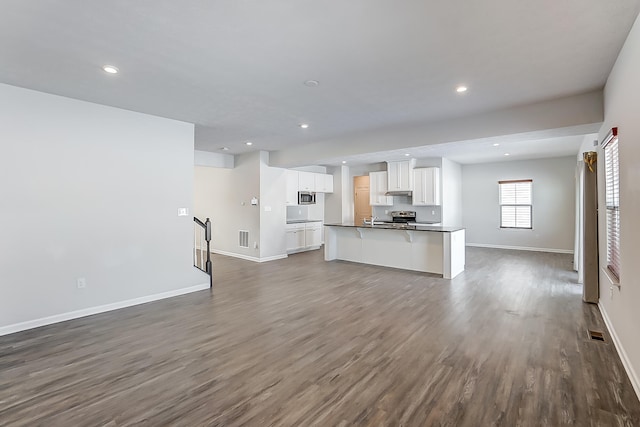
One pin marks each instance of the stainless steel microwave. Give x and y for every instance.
(306, 198)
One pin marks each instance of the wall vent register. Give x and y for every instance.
(243, 238)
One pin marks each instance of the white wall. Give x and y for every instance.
(338, 204)
(451, 191)
(273, 212)
(622, 109)
(214, 160)
(553, 203)
(224, 196)
(89, 191)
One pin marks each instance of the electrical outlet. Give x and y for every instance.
(255, 245)
(386, 211)
(433, 212)
(81, 282)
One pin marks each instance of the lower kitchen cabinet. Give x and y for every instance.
(303, 236)
(313, 234)
(295, 237)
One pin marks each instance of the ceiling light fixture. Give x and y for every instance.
(507, 154)
(461, 89)
(407, 154)
(496, 144)
(225, 148)
(249, 143)
(344, 162)
(311, 83)
(110, 69)
(304, 125)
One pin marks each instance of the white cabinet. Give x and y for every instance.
(303, 236)
(400, 175)
(313, 234)
(324, 183)
(295, 237)
(306, 181)
(292, 188)
(378, 188)
(426, 187)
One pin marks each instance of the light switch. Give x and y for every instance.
(183, 211)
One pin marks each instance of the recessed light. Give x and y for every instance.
(496, 144)
(461, 89)
(311, 83)
(225, 148)
(344, 162)
(304, 125)
(110, 69)
(407, 154)
(507, 154)
(249, 143)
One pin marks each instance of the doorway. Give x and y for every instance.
(361, 206)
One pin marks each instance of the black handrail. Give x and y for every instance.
(206, 225)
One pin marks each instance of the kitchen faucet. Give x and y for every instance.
(372, 221)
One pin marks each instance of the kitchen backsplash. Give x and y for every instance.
(297, 212)
(400, 203)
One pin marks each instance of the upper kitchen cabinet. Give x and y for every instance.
(292, 188)
(306, 181)
(426, 187)
(400, 175)
(324, 183)
(378, 189)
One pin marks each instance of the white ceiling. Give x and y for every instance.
(236, 68)
(479, 150)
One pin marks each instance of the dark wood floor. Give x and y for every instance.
(301, 342)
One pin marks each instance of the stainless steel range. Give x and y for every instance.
(403, 217)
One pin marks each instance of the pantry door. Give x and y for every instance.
(362, 208)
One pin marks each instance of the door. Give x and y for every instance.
(362, 208)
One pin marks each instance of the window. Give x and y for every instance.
(612, 184)
(515, 203)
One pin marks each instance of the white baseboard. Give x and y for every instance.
(43, 321)
(521, 248)
(631, 373)
(249, 258)
(310, 248)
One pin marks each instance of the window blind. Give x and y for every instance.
(515, 203)
(612, 196)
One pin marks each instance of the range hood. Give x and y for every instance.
(398, 193)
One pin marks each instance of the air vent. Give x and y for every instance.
(596, 335)
(243, 238)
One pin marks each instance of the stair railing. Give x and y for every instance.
(202, 235)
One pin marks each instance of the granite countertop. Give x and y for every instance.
(302, 221)
(402, 227)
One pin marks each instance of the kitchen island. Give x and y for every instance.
(427, 248)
